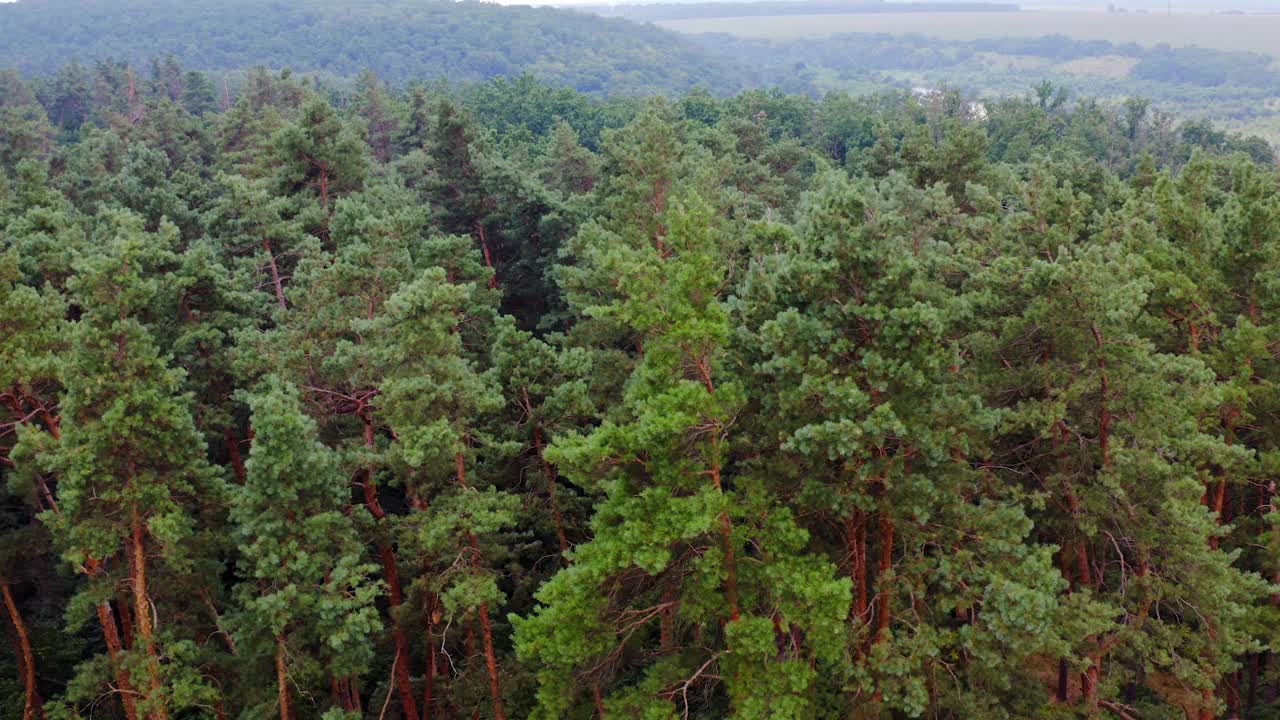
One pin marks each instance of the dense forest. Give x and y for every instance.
(503, 401)
(399, 39)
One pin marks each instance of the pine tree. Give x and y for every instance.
(434, 404)
(877, 428)
(675, 518)
(320, 154)
(307, 600)
(375, 109)
(130, 467)
(548, 391)
(1127, 440)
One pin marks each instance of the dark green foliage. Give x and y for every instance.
(464, 42)
(503, 401)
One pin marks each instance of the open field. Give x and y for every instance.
(1258, 33)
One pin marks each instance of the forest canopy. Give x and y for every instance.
(504, 400)
(399, 39)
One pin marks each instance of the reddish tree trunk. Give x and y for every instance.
(491, 661)
(856, 540)
(429, 679)
(486, 627)
(1207, 705)
(353, 689)
(344, 693)
(1220, 490)
(1088, 678)
(726, 525)
(488, 256)
(111, 635)
(1064, 680)
(282, 680)
(276, 281)
(52, 423)
(142, 608)
(395, 599)
(350, 690)
(233, 453)
(32, 705)
(409, 705)
(1219, 505)
(337, 693)
(599, 700)
(126, 622)
(1089, 686)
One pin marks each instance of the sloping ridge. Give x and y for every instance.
(398, 39)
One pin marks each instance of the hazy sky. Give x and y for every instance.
(1219, 5)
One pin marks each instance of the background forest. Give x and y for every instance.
(500, 400)
(1200, 76)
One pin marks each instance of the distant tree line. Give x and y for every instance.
(654, 12)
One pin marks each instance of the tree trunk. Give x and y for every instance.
(111, 635)
(599, 700)
(344, 692)
(730, 565)
(1219, 505)
(127, 633)
(856, 540)
(429, 679)
(1089, 686)
(146, 629)
(1207, 705)
(491, 661)
(395, 598)
(884, 606)
(1088, 678)
(32, 706)
(488, 256)
(486, 627)
(276, 282)
(409, 705)
(233, 453)
(549, 474)
(1064, 680)
(1064, 671)
(726, 525)
(282, 680)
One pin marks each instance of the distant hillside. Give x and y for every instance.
(398, 39)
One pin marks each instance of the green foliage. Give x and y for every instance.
(306, 583)
(502, 401)
(464, 42)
